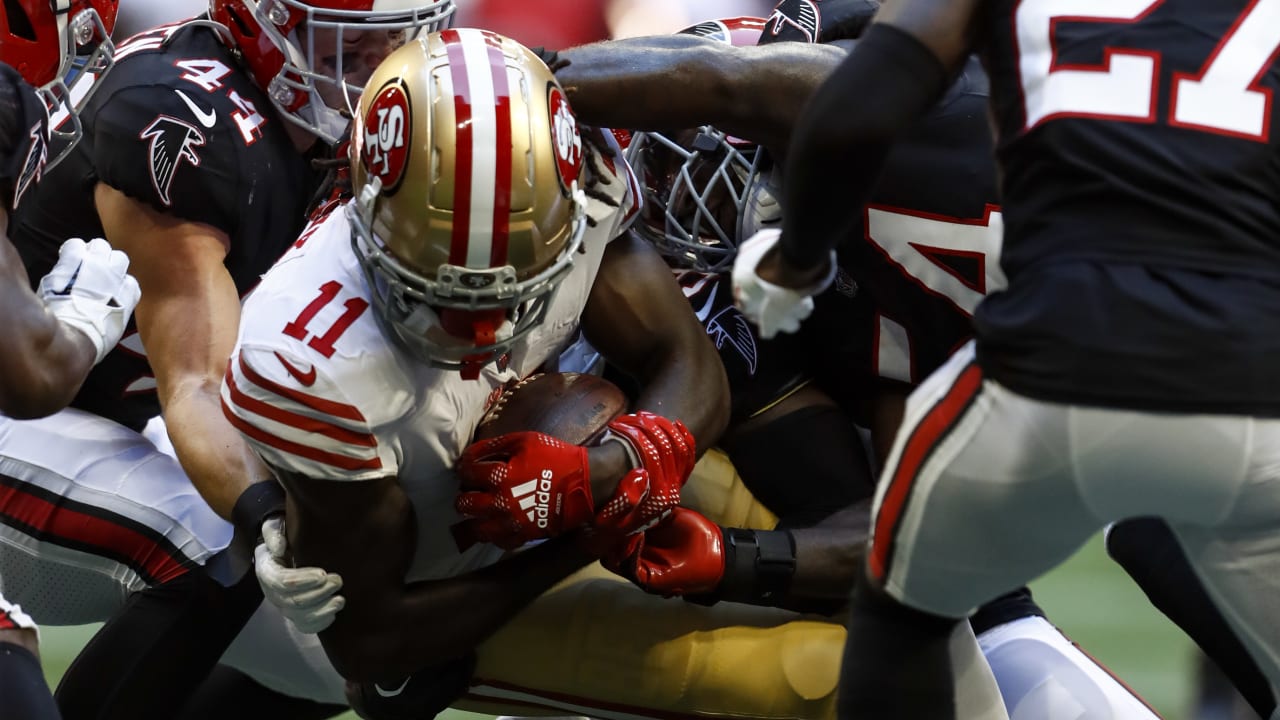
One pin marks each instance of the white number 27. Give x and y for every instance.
(1225, 97)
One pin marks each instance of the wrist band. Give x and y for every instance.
(758, 566)
(257, 503)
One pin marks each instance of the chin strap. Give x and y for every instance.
(481, 327)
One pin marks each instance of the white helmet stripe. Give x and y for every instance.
(483, 80)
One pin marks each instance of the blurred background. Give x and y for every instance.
(553, 24)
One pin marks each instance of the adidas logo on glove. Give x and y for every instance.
(534, 497)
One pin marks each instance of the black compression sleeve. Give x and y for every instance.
(841, 140)
(157, 649)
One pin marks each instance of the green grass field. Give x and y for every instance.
(1090, 598)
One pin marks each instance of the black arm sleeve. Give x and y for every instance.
(845, 133)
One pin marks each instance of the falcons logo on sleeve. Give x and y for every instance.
(172, 141)
(33, 166)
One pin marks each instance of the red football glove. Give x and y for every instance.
(682, 555)
(664, 451)
(522, 486)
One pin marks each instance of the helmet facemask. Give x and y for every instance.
(65, 76)
(428, 316)
(696, 185)
(324, 52)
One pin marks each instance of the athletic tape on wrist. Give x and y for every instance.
(633, 455)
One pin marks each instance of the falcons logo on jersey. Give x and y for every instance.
(33, 165)
(172, 141)
(800, 16)
(729, 326)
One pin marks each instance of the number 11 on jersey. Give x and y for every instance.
(323, 344)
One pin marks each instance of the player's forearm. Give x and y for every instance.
(829, 558)
(428, 624)
(214, 455)
(679, 81)
(825, 560)
(687, 382)
(44, 361)
(630, 83)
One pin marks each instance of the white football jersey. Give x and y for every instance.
(320, 390)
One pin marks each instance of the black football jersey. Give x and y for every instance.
(1146, 133)
(178, 124)
(928, 247)
(760, 371)
(1141, 180)
(926, 252)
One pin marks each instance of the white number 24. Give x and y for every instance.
(1225, 97)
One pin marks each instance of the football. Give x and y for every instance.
(571, 406)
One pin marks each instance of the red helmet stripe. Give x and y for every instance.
(482, 184)
(462, 149)
(502, 159)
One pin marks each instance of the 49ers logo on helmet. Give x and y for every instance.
(385, 146)
(565, 138)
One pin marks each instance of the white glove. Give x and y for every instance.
(91, 290)
(771, 307)
(306, 596)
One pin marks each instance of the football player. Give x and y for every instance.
(471, 254)
(58, 334)
(197, 161)
(711, 187)
(55, 336)
(1124, 371)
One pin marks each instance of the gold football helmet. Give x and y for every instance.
(466, 165)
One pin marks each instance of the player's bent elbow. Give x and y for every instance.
(366, 657)
(386, 651)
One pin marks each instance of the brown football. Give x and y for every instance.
(570, 406)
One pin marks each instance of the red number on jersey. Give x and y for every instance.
(323, 344)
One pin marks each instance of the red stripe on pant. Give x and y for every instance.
(83, 531)
(925, 437)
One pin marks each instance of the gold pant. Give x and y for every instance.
(596, 645)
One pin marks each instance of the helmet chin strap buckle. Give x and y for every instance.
(481, 327)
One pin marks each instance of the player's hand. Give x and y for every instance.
(770, 293)
(684, 554)
(663, 454)
(522, 486)
(91, 290)
(306, 596)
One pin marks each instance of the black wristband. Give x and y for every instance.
(758, 566)
(257, 503)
